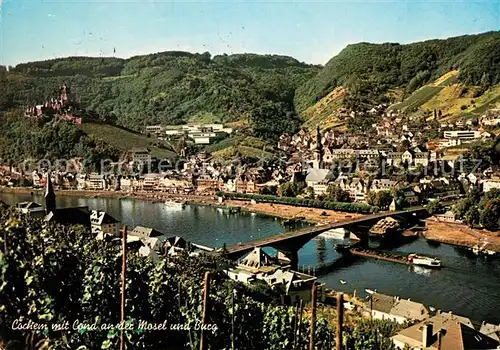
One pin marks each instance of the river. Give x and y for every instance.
(466, 285)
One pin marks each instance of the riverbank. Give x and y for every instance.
(461, 235)
(311, 215)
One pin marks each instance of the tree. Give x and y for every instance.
(383, 199)
(472, 216)
(308, 192)
(273, 119)
(433, 207)
(53, 274)
(336, 194)
(269, 190)
(291, 189)
(490, 216)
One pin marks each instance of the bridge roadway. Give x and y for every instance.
(309, 233)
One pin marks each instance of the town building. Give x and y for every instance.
(391, 308)
(489, 184)
(454, 334)
(102, 223)
(141, 156)
(31, 208)
(462, 134)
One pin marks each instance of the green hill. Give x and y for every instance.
(124, 140)
(167, 87)
(268, 94)
(369, 71)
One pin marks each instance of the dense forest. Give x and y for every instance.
(168, 87)
(370, 70)
(268, 93)
(24, 140)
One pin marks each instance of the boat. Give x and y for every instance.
(343, 282)
(342, 248)
(369, 291)
(424, 261)
(481, 250)
(174, 204)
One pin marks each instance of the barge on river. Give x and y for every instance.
(412, 259)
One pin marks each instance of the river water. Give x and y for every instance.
(466, 285)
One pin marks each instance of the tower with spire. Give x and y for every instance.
(318, 152)
(50, 196)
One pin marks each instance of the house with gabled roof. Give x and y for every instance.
(293, 284)
(443, 332)
(145, 232)
(102, 223)
(396, 309)
(254, 265)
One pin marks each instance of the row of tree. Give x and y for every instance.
(478, 209)
(304, 202)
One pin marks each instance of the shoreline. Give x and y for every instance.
(460, 235)
(308, 215)
(443, 232)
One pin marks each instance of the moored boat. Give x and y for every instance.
(342, 248)
(424, 261)
(174, 204)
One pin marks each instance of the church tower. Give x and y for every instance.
(318, 152)
(50, 196)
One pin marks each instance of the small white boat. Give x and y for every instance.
(343, 282)
(174, 204)
(424, 261)
(338, 233)
(369, 291)
(481, 250)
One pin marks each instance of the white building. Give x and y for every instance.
(386, 307)
(102, 223)
(462, 134)
(141, 155)
(490, 184)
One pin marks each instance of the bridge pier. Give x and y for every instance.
(291, 256)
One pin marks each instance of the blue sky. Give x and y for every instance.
(311, 31)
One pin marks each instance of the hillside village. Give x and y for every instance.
(394, 153)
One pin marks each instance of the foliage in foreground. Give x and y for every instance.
(58, 275)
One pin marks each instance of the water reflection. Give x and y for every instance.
(320, 248)
(465, 285)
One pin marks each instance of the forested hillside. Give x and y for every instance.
(168, 87)
(269, 94)
(370, 71)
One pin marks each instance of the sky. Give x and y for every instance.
(310, 31)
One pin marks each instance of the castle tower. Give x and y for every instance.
(318, 152)
(50, 196)
(64, 94)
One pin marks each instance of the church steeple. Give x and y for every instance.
(318, 152)
(318, 139)
(50, 196)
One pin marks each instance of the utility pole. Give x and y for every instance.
(313, 317)
(340, 320)
(232, 319)
(301, 308)
(206, 291)
(295, 329)
(124, 268)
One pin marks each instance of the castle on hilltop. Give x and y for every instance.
(62, 107)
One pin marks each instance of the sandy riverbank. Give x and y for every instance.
(312, 215)
(461, 235)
